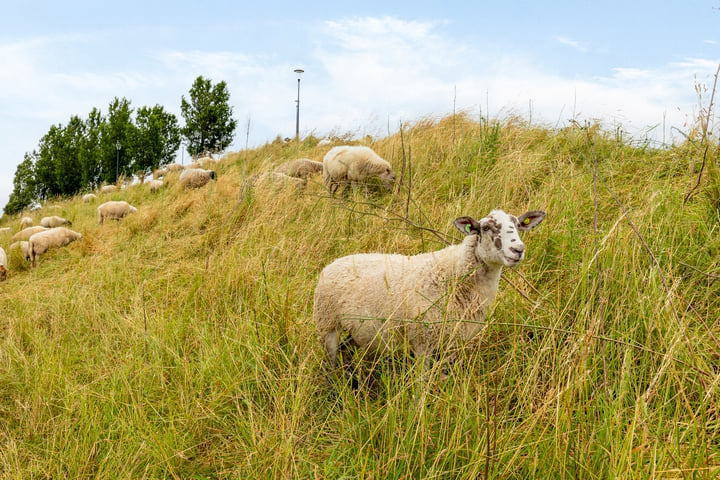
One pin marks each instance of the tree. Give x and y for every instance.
(157, 139)
(118, 127)
(68, 171)
(45, 172)
(91, 151)
(209, 126)
(23, 194)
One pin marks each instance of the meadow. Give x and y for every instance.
(179, 342)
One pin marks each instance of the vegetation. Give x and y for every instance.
(209, 126)
(179, 343)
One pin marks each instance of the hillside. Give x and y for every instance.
(179, 343)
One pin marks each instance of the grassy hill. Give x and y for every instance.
(179, 343)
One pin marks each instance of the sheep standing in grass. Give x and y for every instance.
(432, 302)
(3, 265)
(155, 186)
(24, 248)
(41, 242)
(54, 221)
(114, 210)
(26, 233)
(108, 189)
(353, 165)
(89, 197)
(25, 222)
(196, 177)
(270, 179)
(300, 168)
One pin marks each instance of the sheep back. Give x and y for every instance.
(26, 233)
(25, 222)
(353, 164)
(196, 177)
(41, 242)
(114, 210)
(54, 221)
(301, 168)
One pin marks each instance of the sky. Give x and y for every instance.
(369, 66)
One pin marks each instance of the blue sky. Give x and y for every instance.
(368, 65)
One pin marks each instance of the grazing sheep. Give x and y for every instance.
(196, 177)
(54, 221)
(25, 222)
(354, 164)
(174, 167)
(89, 197)
(41, 242)
(159, 173)
(432, 302)
(4, 230)
(3, 265)
(300, 168)
(23, 246)
(269, 179)
(108, 188)
(26, 233)
(155, 186)
(114, 210)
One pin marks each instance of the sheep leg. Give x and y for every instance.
(331, 347)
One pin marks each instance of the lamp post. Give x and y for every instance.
(117, 159)
(299, 72)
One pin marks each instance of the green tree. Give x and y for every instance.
(209, 126)
(23, 194)
(68, 171)
(91, 151)
(117, 129)
(45, 171)
(157, 139)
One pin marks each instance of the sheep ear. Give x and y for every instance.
(530, 220)
(467, 225)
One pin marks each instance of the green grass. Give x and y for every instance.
(179, 343)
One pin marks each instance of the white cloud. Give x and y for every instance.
(574, 44)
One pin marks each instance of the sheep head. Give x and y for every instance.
(498, 241)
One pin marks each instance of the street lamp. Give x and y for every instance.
(117, 159)
(299, 72)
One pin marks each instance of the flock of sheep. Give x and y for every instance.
(433, 303)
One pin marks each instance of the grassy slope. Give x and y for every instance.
(180, 343)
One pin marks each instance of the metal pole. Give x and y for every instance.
(297, 114)
(117, 160)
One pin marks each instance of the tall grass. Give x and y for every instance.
(179, 343)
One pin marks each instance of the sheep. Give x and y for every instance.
(354, 164)
(300, 168)
(23, 246)
(174, 167)
(89, 197)
(3, 265)
(270, 179)
(54, 221)
(196, 177)
(25, 222)
(155, 186)
(159, 173)
(108, 188)
(5, 230)
(41, 242)
(26, 233)
(431, 302)
(114, 210)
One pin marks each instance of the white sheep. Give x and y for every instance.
(114, 210)
(5, 230)
(354, 164)
(270, 179)
(155, 186)
(196, 177)
(432, 302)
(25, 222)
(300, 168)
(26, 233)
(174, 167)
(89, 197)
(23, 246)
(54, 221)
(41, 242)
(3, 265)
(108, 188)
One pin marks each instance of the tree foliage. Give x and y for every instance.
(209, 126)
(157, 138)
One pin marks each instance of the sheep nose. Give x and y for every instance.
(518, 250)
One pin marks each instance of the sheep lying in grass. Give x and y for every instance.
(432, 302)
(25, 222)
(270, 179)
(24, 248)
(155, 186)
(108, 188)
(54, 221)
(89, 197)
(26, 233)
(300, 168)
(355, 164)
(3, 265)
(41, 242)
(196, 177)
(114, 210)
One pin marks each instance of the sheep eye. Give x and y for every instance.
(485, 228)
